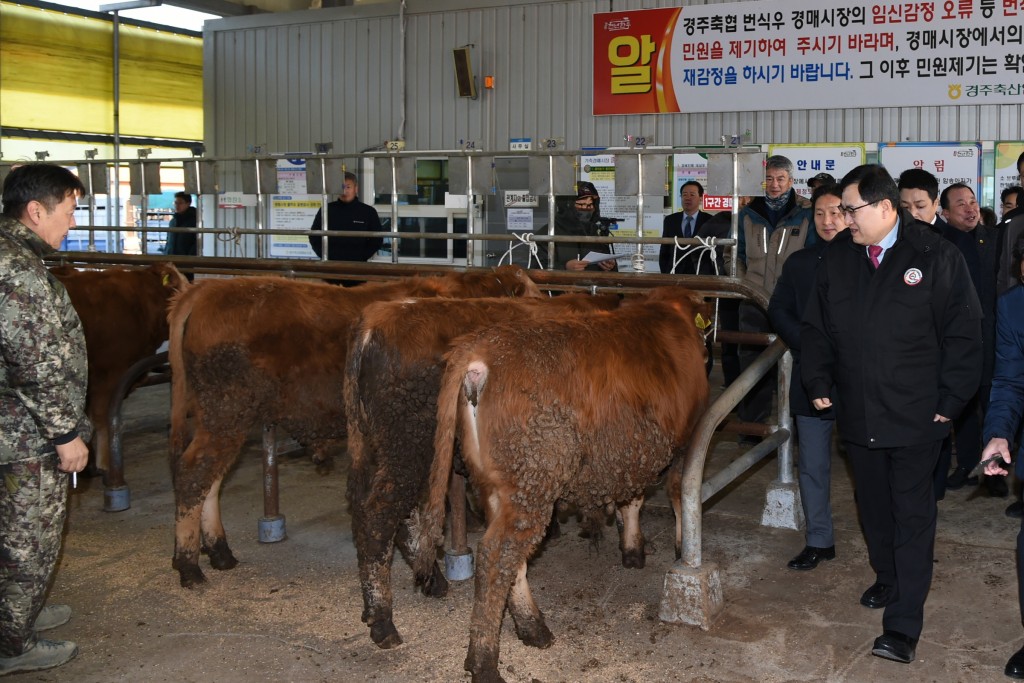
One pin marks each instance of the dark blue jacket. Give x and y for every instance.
(1006, 401)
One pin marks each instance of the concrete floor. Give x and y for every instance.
(290, 611)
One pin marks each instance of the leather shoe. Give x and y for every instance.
(1015, 667)
(895, 646)
(879, 595)
(959, 478)
(810, 556)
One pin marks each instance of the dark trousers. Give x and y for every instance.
(757, 404)
(814, 460)
(729, 319)
(896, 503)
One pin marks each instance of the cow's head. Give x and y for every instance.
(688, 303)
(170, 277)
(516, 282)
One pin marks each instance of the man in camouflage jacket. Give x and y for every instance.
(43, 427)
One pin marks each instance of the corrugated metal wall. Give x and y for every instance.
(290, 80)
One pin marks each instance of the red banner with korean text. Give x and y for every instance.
(632, 74)
(791, 54)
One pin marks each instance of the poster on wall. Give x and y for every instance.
(810, 160)
(292, 209)
(600, 170)
(950, 162)
(687, 167)
(790, 54)
(1007, 154)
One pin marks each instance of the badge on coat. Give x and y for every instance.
(913, 276)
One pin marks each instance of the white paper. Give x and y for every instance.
(598, 257)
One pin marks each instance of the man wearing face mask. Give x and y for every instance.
(579, 215)
(771, 228)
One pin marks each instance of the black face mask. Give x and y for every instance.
(584, 215)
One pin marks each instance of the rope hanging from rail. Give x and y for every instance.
(525, 239)
(705, 247)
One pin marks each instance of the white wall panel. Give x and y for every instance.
(291, 80)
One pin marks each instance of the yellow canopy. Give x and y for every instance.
(56, 73)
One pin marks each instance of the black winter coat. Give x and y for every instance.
(786, 312)
(351, 216)
(900, 344)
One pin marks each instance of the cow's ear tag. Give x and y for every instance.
(166, 279)
(702, 322)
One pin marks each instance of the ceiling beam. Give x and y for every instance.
(224, 8)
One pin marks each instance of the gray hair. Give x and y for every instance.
(779, 162)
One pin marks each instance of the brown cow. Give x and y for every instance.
(124, 316)
(257, 351)
(391, 384)
(588, 409)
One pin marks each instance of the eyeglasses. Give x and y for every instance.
(850, 210)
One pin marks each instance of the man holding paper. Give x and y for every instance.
(580, 216)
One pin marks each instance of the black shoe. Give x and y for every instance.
(1015, 667)
(996, 486)
(1015, 509)
(895, 646)
(879, 595)
(958, 478)
(810, 556)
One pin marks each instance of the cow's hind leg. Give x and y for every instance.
(530, 626)
(215, 541)
(513, 533)
(195, 473)
(631, 537)
(434, 584)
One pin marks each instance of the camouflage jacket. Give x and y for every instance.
(45, 372)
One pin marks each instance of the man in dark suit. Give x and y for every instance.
(979, 245)
(692, 222)
(893, 328)
(686, 223)
(919, 194)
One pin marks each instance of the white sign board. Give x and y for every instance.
(600, 170)
(292, 209)
(950, 162)
(810, 160)
(520, 220)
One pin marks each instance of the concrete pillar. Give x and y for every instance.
(782, 508)
(691, 595)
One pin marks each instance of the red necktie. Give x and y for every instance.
(874, 251)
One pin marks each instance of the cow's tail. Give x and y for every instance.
(431, 522)
(180, 309)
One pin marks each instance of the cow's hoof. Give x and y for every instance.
(385, 635)
(487, 677)
(190, 577)
(220, 556)
(436, 586)
(633, 559)
(537, 635)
